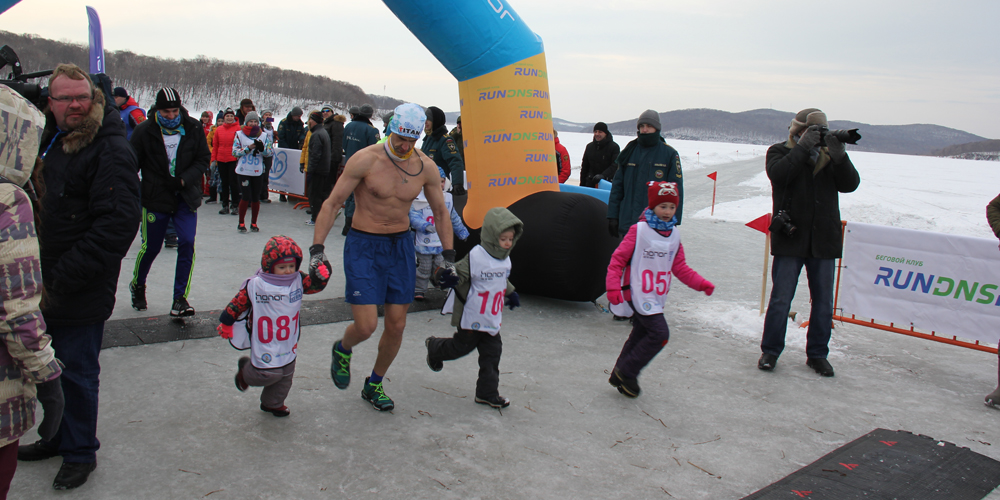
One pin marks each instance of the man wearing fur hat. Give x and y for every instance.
(646, 158)
(172, 157)
(89, 217)
(807, 173)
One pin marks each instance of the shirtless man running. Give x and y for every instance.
(379, 259)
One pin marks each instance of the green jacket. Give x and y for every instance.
(628, 197)
(456, 135)
(496, 221)
(441, 148)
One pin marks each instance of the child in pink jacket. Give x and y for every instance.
(647, 257)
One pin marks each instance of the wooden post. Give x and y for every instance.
(714, 182)
(763, 281)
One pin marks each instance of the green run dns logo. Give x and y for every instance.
(941, 287)
(530, 72)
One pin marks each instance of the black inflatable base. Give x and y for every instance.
(565, 250)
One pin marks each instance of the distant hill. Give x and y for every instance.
(203, 83)
(768, 126)
(971, 149)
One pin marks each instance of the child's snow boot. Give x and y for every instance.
(433, 365)
(241, 385)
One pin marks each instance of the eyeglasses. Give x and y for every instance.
(82, 99)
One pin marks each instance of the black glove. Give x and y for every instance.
(302, 168)
(258, 145)
(50, 395)
(810, 138)
(596, 180)
(613, 228)
(445, 276)
(837, 149)
(316, 259)
(458, 186)
(512, 301)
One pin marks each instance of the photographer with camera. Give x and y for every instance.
(807, 172)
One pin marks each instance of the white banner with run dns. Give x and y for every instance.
(936, 282)
(285, 175)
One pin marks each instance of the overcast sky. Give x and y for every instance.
(878, 62)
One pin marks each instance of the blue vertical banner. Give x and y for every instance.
(96, 42)
(6, 4)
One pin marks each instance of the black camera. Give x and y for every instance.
(845, 136)
(17, 80)
(782, 223)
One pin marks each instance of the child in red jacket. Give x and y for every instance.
(648, 255)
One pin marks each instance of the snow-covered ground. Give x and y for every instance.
(946, 195)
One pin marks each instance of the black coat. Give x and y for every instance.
(813, 200)
(599, 159)
(89, 216)
(335, 130)
(159, 188)
(319, 151)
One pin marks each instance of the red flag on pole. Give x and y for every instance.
(713, 175)
(761, 223)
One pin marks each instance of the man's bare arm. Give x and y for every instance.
(354, 173)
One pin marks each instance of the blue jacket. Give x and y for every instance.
(422, 221)
(358, 135)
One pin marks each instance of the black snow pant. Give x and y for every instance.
(649, 335)
(319, 190)
(462, 343)
(268, 160)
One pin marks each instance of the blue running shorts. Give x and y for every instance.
(380, 268)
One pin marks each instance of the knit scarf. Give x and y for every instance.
(251, 132)
(657, 223)
(273, 279)
(169, 127)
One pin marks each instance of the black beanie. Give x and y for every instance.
(436, 116)
(316, 116)
(120, 92)
(603, 127)
(167, 98)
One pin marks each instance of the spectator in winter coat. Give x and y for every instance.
(334, 125)
(441, 148)
(645, 159)
(806, 176)
(267, 128)
(222, 155)
(28, 366)
(291, 130)
(246, 106)
(599, 158)
(319, 164)
(90, 172)
(993, 217)
(563, 167)
(456, 135)
(129, 109)
(172, 159)
(358, 134)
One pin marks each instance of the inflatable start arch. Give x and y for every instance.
(504, 96)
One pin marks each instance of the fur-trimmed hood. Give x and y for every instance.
(85, 134)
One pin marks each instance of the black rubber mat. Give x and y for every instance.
(886, 464)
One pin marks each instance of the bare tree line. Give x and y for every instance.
(225, 80)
